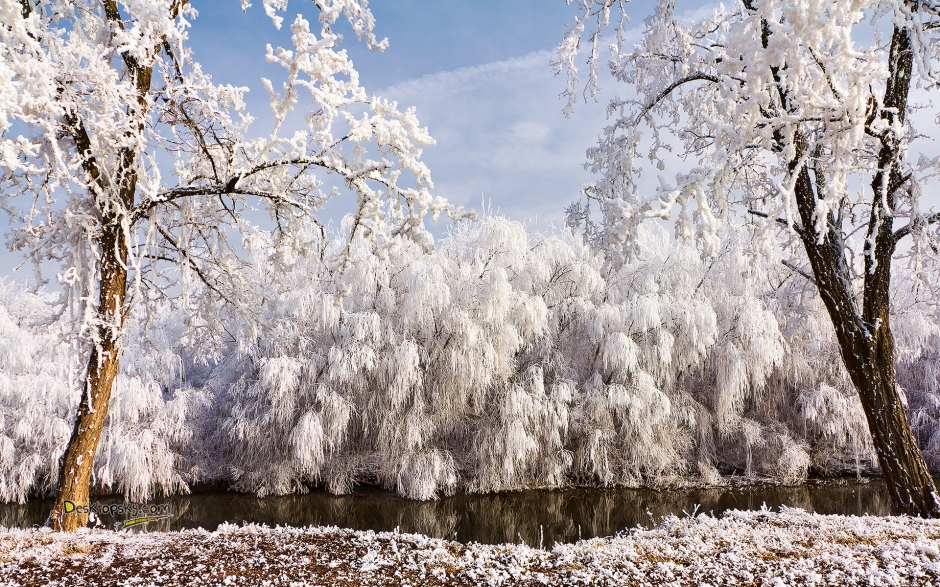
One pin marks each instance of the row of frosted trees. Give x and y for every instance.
(501, 359)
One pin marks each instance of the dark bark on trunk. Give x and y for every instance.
(864, 334)
(902, 462)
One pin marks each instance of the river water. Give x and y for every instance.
(535, 517)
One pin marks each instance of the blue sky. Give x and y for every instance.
(478, 72)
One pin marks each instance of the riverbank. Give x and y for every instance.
(791, 547)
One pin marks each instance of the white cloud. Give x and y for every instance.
(501, 134)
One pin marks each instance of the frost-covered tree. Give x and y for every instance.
(506, 359)
(123, 162)
(797, 112)
(500, 359)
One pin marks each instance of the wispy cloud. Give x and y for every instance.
(501, 135)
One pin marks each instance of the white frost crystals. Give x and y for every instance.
(277, 360)
(151, 414)
(789, 547)
(703, 85)
(500, 360)
(797, 116)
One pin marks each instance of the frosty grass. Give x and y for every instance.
(739, 548)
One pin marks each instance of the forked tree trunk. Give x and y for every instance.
(869, 356)
(77, 464)
(867, 347)
(863, 326)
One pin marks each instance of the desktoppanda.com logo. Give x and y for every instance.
(136, 513)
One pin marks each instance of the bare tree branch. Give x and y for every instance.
(799, 271)
(782, 221)
(698, 76)
(906, 230)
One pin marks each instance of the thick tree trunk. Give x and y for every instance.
(76, 466)
(871, 364)
(867, 347)
(902, 463)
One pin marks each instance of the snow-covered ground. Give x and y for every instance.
(791, 547)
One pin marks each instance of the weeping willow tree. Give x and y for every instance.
(502, 359)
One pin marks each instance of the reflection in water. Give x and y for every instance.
(560, 515)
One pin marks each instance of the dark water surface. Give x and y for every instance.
(534, 517)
